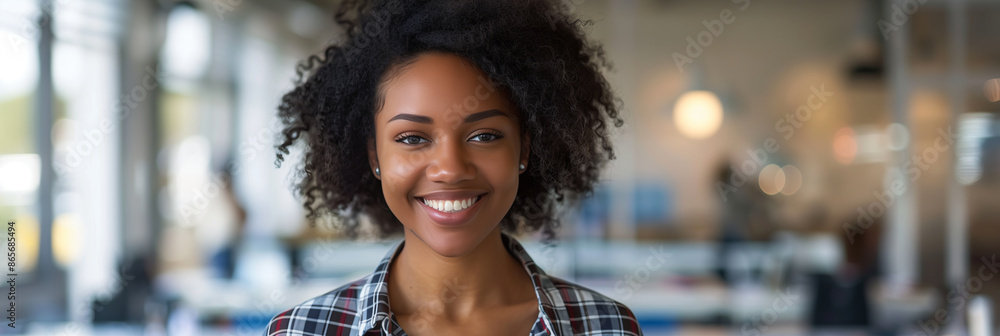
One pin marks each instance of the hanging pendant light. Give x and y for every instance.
(698, 113)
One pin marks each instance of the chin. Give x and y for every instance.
(452, 243)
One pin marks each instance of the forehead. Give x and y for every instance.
(436, 84)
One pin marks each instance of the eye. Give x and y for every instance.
(489, 136)
(409, 139)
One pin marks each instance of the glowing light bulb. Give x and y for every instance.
(698, 114)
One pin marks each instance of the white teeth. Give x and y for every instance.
(451, 206)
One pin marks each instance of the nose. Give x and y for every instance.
(450, 163)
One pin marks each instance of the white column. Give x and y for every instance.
(900, 254)
(956, 267)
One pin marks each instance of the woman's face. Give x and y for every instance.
(446, 136)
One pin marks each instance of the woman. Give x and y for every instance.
(477, 119)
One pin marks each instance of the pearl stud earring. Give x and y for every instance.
(377, 172)
(521, 166)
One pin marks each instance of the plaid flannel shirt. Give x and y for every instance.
(362, 307)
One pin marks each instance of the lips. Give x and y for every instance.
(448, 216)
(451, 205)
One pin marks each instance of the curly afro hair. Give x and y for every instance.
(533, 50)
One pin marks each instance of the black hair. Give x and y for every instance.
(533, 50)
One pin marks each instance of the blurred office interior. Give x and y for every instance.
(786, 167)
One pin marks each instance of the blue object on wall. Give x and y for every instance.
(598, 206)
(651, 202)
(594, 213)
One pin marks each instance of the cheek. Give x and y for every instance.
(501, 172)
(400, 172)
(404, 163)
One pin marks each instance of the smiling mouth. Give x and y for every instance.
(451, 206)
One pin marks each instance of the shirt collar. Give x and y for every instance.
(373, 299)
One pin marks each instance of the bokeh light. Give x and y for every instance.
(845, 145)
(793, 180)
(65, 239)
(771, 179)
(992, 90)
(698, 114)
(897, 136)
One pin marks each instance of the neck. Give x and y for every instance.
(488, 276)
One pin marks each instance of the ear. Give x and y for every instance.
(373, 157)
(525, 149)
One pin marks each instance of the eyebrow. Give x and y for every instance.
(468, 119)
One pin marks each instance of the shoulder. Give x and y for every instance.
(591, 311)
(332, 313)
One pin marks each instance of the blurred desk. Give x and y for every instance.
(708, 300)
